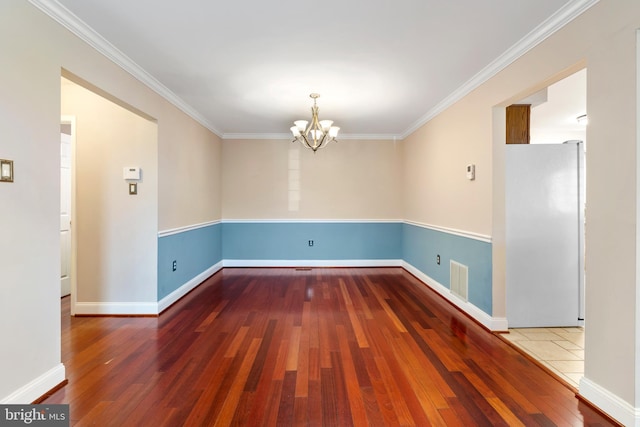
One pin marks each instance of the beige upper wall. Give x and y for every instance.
(277, 179)
(190, 173)
(436, 188)
(604, 40)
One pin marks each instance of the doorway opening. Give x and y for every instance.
(544, 230)
(113, 230)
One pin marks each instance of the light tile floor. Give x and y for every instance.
(561, 350)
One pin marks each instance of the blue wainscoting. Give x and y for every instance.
(195, 251)
(362, 241)
(201, 251)
(421, 246)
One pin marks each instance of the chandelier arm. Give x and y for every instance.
(305, 141)
(306, 144)
(328, 140)
(324, 142)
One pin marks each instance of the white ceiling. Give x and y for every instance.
(246, 68)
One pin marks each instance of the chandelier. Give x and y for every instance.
(318, 134)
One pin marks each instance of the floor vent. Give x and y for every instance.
(459, 279)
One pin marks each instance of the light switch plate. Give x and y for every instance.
(133, 188)
(6, 170)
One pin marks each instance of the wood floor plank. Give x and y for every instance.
(262, 358)
(421, 385)
(207, 396)
(302, 368)
(233, 394)
(314, 347)
(314, 403)
(357, 407)
(294, 349)
(353, 317)
(398, 401)
(379, 390)
(380, 296)
(287, 399)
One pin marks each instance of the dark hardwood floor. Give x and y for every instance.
(324, 347)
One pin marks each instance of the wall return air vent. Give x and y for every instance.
(459, 280)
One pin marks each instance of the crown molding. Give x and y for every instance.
(558, 20)
(280, 136)
(70, 21)
(256, 136)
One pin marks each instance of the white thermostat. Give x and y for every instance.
(471, 172)
(131, 173)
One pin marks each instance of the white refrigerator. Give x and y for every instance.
(545, 200)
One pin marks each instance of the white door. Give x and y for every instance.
(543, 241)
(65, 214)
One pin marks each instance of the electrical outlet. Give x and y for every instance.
(438, 259)
(310, 242)
(174, 265)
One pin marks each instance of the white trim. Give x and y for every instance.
(561, 18)
(612, 405)
(71, 120)
(636, 363)
(491, 323)
(116, 308)
(179, 230)
(274, 136)
(369, 137)
(313, 263)
(462, 233)
(288, 136)
(174, 296)
(313, 221)
(37, 388)
(70, 21)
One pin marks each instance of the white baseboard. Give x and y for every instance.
(116, 308)
(618, 409)
(492, 323)
(174, 296)
(313, 263)
(36, 388)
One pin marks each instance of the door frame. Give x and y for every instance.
(71, 120)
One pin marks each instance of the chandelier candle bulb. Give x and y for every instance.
(318, 134)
